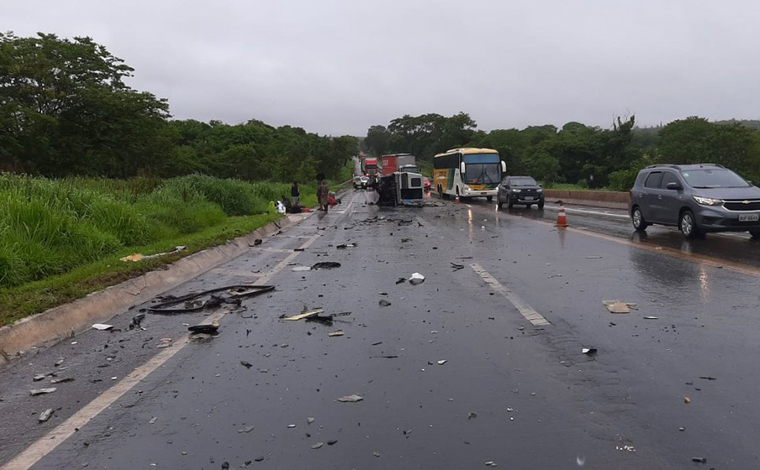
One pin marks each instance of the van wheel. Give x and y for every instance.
(688, 225)
(637, 218)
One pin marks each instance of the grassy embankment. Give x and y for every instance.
(61, 240)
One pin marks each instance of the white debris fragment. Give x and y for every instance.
(45, 415)
(42, 391)
(351, 398)
(245, 430)
(101, 326)
(416, 278)
(442, 362)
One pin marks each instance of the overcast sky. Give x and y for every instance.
(337, 67)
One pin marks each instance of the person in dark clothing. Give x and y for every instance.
(295, 193)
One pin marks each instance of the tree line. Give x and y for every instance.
(588, 156)
(65, 110)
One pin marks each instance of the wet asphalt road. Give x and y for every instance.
(509, 392)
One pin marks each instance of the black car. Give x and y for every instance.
(519, 190)
(697, 198)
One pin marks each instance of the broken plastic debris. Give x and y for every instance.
(588, 351)
(164, 343)
(58, 362)
(45, 415)
(42, 391)
(325, 265)
(209, 329)
(442, 362)
(303, 315)
(699, 459)
(153, 420)
(491, 463)
(39, 377)
(650, 317)
(347, 245)
(246, 364)
(291, 426)
(62, 380)
(472, 415)
(318, 445)
(136, 321)
(616, 306)
(336, 333)
(246, 429)
(384, 303)
(351, 399)
(416, 278)
(101, 326)
(302, 268)
(309, 420)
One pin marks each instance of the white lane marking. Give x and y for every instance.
(47, 443)
(522, 306)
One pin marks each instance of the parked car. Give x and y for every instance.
(360, 182)
(426, 183)
(695, 198)
(519, 190)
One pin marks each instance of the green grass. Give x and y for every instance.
(34, 297)
(62, 239)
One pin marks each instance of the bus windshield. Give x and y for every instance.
(482, 173)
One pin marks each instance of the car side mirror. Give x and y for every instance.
(674, 185)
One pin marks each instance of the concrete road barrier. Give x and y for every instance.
(610, 199)
(58, 323)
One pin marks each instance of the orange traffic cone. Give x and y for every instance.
(561, 217)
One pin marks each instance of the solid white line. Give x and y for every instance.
(522, 306)
(47, 443)
(590, 212)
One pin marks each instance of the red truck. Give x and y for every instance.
(369, 166)
(398, 162)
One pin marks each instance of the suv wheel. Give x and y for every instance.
(540, 205)
(637, 218)
(688, 224)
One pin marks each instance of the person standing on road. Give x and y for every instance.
(295, 194)
(323, 191)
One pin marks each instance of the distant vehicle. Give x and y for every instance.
(426, 183)
(369, 166)
(403, 162)
(360, 182)
(520, 190)
(696, 198)
(468, 172)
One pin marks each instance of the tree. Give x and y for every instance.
(377, 140)
(65, 109)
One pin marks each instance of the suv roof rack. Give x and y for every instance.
(681, 166)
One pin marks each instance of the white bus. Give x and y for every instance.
(468, 172)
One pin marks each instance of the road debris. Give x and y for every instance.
(318, 445)
(45, 415)
(58, 362)
(309, 420)
(246, 430)
(153, 420)
(384, 303)
(246, 364)
(708, 378)
(351, 399)
(209, 329)
(39, 377)
(139, 257)
(137, 321)
(376, 454)
(588, 351)
(699, 459)
(346, 245)
(472, 415)
(616, 306)
(304, 314)
(42, 391)
(101, 327)
(302, 268)
(164, 343)
(336, 333)
(686, 400)
(456, 267)
(650, 317)
(491, 463)
(62, 381)
(401, 280)
(332, 442)
(325, 265)
(416, 278)
(193, 302)
(442, 362)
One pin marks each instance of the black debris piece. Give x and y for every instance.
(708, 378)
(325, 265)
(136, 321)
(457, 267)
(205, 329)
(246, 364)
(384, 303)
(194, 301)
(401, 280)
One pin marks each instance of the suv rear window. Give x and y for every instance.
(653, 180)
(522, 182)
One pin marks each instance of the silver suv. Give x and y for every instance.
(695, 198)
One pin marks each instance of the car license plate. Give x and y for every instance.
(748, 217)
(528, 198)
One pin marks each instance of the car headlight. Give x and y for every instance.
(539, 190)
(708, 201)
(516, 190)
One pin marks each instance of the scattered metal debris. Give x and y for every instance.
(164, 343)
(336, 333)
(192, 302)
(101, 327)
(42, 391)
(45, 415)
(708, 378)
(304, 314)
(309, 420)
(209, 329)
(351, 399)
(153, 420)
(137, 321)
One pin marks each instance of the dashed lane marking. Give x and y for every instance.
(47, 443)
(522, 306)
